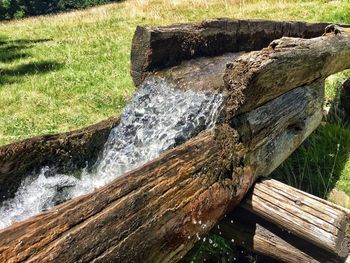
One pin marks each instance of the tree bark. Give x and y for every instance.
(259, 76)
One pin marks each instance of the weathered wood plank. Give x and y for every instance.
(262, 237)
(319, 222)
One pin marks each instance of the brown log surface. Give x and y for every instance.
(306, 216)
(259, 76)
(152, 213)
(146, 215)
(262, 237)
(197, 74)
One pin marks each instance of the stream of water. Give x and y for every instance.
(158, 118)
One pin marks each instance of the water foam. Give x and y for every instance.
(158, 118)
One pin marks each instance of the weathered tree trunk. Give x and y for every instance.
(151, 214)
(306, 216)
(262, 237)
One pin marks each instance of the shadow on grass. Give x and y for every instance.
(15, 50)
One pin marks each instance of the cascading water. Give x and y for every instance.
(158, 118)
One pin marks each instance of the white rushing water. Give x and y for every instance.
(158, 118)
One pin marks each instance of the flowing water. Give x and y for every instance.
(159, 117)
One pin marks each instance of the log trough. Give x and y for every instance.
(271, 75)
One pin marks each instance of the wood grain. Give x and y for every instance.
(308, 217)
(252, 232)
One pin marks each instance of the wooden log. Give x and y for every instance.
(311, 218)
(264, 238)
(152, 214)
(270, 135)
(147, 215)
(67, 152)
(259, 76)
(155, 48)
(252, 79)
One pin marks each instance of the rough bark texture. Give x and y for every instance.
(308, 217)
(151, 213)
(147, 215)
(273, 131)
(66, 152)
(259, 76)
(262, 237)
(155, 48)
